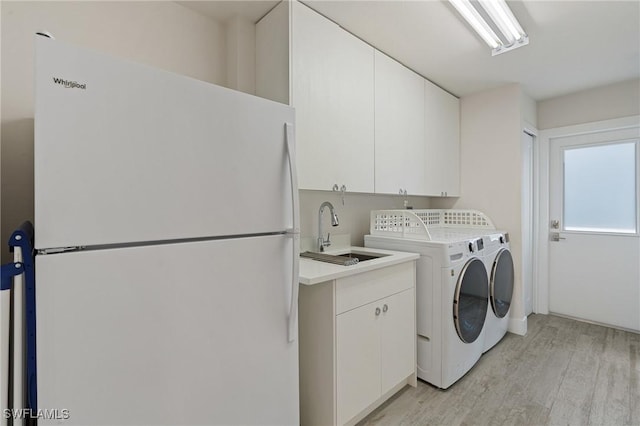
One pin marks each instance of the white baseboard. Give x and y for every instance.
(518, 326)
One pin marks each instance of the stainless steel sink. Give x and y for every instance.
(363, 256)
(345, 259)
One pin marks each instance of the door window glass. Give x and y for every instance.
(471, 301)
(600, 188)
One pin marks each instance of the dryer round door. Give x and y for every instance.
(471, 300)
(501, 286)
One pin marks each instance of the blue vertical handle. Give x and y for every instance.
(23, 238)
(7, 272)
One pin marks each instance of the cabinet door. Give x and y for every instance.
(332, 91)
(442, 136)
(357, 359)
(450, 120)
(399, 128)
(397, 339)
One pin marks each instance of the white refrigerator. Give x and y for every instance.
(166, 226)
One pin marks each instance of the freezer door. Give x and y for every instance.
(127, 153)
(171, 334)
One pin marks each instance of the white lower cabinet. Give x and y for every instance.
(358, 360)
(374, 344)
(396, 339)
(357, 343)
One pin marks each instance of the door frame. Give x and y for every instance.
(541, 217)
(530, 200)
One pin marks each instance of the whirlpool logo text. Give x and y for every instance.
(70, 84)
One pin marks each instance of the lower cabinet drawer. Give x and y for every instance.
(368, 287)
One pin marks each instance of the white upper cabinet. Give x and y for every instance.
(399, 128)
(442, 137)
(363, 121)
(332, 92)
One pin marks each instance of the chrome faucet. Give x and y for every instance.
(322, 243)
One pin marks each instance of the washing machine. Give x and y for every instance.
(452, 289)
(499, 266)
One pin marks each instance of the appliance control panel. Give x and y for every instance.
(476, 245)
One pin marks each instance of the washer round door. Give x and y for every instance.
(471, 300)
(501, 286)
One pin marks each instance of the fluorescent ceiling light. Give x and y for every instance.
(501, 22)
(472, 16)
(504, 19)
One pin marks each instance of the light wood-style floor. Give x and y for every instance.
(563, 372)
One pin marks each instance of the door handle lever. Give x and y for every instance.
(555, 236)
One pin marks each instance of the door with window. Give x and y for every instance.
(594, 248)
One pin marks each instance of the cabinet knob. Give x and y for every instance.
(385, 308)
(377, 311)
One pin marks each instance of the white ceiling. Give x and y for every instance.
(573, 45)
(222, 10)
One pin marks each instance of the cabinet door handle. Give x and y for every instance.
(377, 311)
(385, 308)
(342, 190)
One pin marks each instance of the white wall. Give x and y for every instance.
(162, 34)
(353, 215)
(602, 103)
(529, 110)
(491, 168)
(241, 55)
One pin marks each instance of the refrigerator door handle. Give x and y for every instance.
(293, 312)
(293, 172)
(294, 232)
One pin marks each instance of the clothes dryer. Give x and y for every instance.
(452, 289)
(499, 266)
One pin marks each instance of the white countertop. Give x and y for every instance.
(314, 271)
